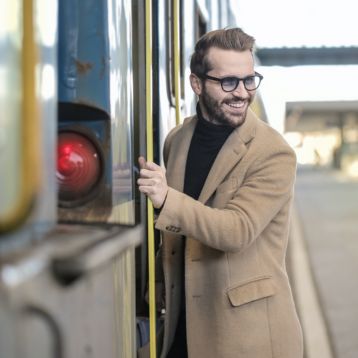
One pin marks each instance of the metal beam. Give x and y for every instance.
(296, 56)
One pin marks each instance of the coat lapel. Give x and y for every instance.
(230, 154)
(179, 153)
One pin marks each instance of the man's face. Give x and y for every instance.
(218, 106)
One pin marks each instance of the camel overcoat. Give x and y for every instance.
(238, 297)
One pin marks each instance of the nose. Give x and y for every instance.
(240, 90)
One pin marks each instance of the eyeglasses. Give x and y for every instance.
(230, 83)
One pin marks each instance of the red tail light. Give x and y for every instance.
(78, 166)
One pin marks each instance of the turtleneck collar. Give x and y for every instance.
(208, 128)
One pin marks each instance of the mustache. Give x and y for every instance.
(236, 99)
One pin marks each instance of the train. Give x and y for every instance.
(85, 88)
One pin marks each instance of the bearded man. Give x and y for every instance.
(223, 208)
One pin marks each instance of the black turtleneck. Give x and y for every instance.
(208, 138)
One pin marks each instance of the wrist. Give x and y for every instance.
(159, 208)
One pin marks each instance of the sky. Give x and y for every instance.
(305, 83)
(297, 23)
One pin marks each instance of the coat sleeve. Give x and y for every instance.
(266, 189)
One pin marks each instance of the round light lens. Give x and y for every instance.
(78, 166)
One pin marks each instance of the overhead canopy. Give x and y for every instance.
(320, 115)
(296, 56)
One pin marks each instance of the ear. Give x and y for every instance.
(196, 84)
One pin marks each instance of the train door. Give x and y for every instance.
(171, 100)
(176, 26)
(67, 282)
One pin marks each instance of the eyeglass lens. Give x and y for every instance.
(230, 83)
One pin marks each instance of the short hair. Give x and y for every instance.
(226, 39)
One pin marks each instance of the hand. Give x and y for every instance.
(152, 182)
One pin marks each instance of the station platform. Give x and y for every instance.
(323, 261)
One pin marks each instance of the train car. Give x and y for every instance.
(85, 87)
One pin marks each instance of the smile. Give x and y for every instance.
(236, 104)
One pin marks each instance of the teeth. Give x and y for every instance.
(236, 105)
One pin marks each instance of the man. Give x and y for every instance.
(224, 205)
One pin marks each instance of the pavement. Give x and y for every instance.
(323, 261)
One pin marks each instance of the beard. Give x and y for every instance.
(215, 112)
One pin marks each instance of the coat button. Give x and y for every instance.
(173, 228)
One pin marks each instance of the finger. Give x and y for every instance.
(153, 166)
(142, 162)
(143, 181)
(152, 182)
(145, 173)
(148, 190)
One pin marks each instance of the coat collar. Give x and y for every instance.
(230, 154)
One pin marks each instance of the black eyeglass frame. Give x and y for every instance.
(238, 79)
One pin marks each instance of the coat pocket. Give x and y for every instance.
(255, 289)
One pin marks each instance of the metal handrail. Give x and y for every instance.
(177, 91)
(150, 213)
